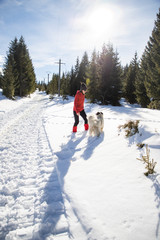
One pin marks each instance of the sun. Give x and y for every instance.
(100, 21)
(96, 26)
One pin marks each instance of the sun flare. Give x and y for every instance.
(100, 21)
(98, 25)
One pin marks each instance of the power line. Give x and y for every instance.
(59, 79)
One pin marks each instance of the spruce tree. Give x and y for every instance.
(74, 78)
(123, 79)
(83, 70)
(140, 90)
(116, 81)
(93, 85)
(26, 76)
(65, 85)
(152, 80)
(1, 80)
(22, 69)
(53, 85)
(129, 81)
(10, 68)
(9, 71)
(9, 78)
(110, 76)
(8, 86)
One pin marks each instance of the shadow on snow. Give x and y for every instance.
(54, 209)
(156, 186)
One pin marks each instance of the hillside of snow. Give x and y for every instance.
(59, 185)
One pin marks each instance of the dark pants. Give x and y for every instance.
(76, 117)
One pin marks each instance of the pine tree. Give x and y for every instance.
(140, 90)
(10, 68)
(53, 85)
(152, 80)
(22, 69)
(26, 76)
(110, 76)
(8, 86)
(65, 85)
(83, 70)
(123, 79)
(116, 81)
(1, 80)
(93, 85)
(129, 82)
(42, 87)
(74, 78)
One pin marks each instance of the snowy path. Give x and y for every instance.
(31, 202)
(55, 185)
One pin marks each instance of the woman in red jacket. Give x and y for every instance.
(78, 109)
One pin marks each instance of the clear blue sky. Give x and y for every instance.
(65, 29)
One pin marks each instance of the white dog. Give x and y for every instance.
(96, 124)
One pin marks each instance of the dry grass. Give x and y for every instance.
(131, 128)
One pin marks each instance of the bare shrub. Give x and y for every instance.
(131, 128)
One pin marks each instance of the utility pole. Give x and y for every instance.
(59, 80)
(48, 75)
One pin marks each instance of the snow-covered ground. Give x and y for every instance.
(59, 185)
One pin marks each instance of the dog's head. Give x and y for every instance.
(99, 115)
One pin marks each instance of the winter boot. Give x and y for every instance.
(74, 128)
(86, 126)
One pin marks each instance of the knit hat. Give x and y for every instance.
(83, 87)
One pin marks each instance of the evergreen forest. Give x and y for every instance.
(107, 80)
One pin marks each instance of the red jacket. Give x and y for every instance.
(79, 102)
